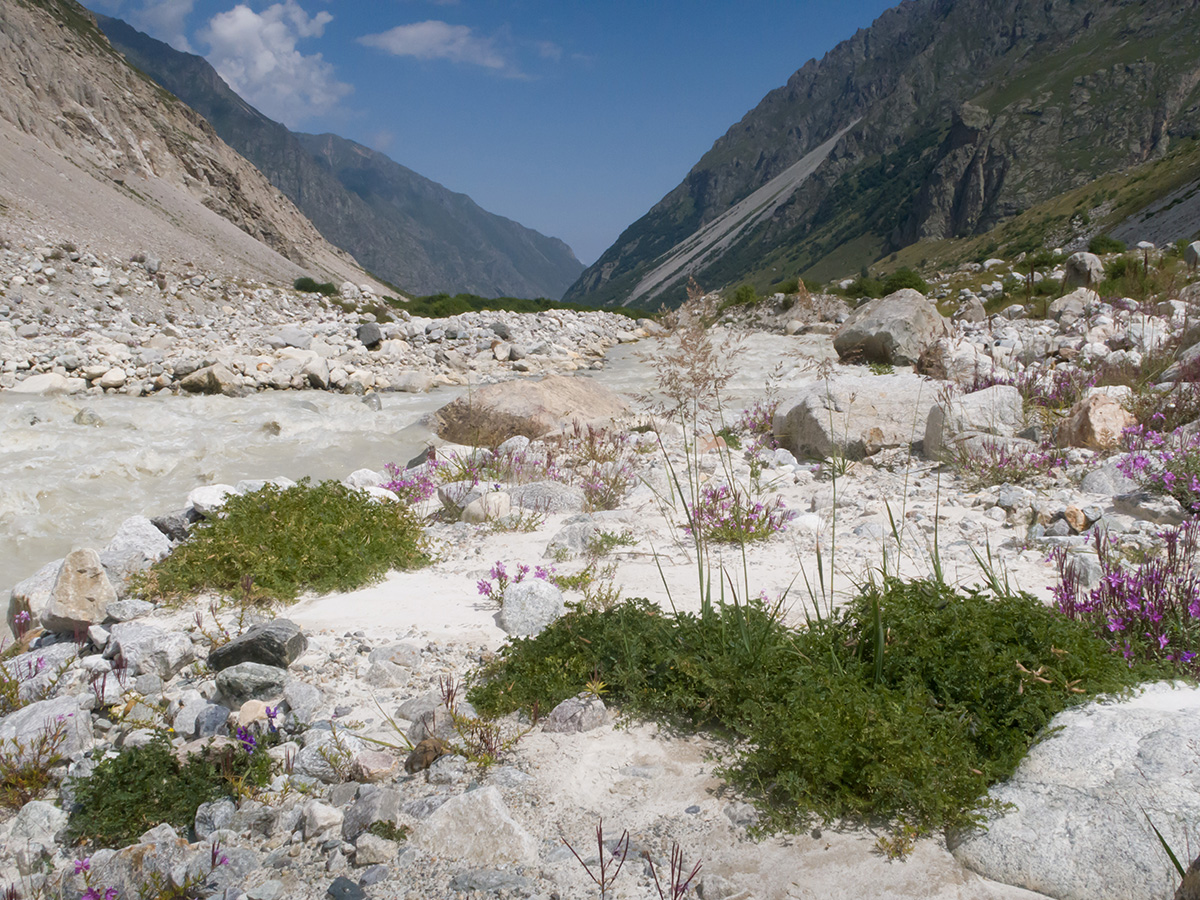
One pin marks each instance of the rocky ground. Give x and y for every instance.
(347, 671)
(73, 322)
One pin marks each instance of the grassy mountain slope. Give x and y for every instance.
(400, 225)
(962, 114)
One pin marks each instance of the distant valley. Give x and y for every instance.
(402, 227)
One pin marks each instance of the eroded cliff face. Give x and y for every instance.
(63, 84)
(959, 115)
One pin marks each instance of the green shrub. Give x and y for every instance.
(273, 543)
(142, 787)
(865, 286)
(908, 704)
(1103, 243)
(904, 278)
(311, 286)
(745, 295)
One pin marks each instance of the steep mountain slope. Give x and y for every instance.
(112, 154)
(400, 225)
(943, 119)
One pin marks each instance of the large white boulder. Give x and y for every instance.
(894, 329)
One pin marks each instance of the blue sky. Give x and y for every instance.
(570, 117)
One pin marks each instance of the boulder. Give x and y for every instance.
(1072, 306)
(894, 329)
(477, 828)
(529, 606)
(48, 383)
(80, 595)
(996, 410)
(1082, 269)
(326, 758)
(32, 595)
(251, 681)
(278, 643)
(208, 499)
(1095, 422)
(854, 415)
(371, 335)
(147, 649)
(137, 545)
(1191, 255)
(492, 505)
(211, 380)
(374, 804)
(533, 408)
(24, 725)
(1107, 480)
(575, 714)
(1082, 796)
(290, 336)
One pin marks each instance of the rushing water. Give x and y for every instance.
(65, 485)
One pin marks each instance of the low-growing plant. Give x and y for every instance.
(493, 588)
(389, 831)
(728, 514)
(1103, 243)
(908, 703)
(609, 860)
(995, 462)
(312, 286)
(1148, 611)
(27, 769)
(1164, 463)
(144, 786)
(603, 543)
(323, 537)
(758, 423)
(413, 485)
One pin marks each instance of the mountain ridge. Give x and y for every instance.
(404, 227)
(968, 114)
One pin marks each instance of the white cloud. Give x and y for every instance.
(549, 50)
(256, 53)
(165, 20)
(439, 40)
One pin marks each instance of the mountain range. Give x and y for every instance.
(946, 130)
(401, 226)
(92, 151)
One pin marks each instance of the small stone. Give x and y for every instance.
(371, 850)
(373, 766)
(575, 714)
(345, 889)
(278, 643)
(425, 754)
(1075, 517)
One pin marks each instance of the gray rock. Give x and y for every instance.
(208, 499)
(343, 888)
(124, 610)
(1157, 508)
(213, 816)
(278, 643)
(1082, 269)
(529, 606)
(894, 329)
(547, 496)
(316, 372)
(326, 758)
(398, 654)
(477, 827)
(148, 649)
(1082, 797)
(575, 536)
(176, 525)
(371, 335)
(33, 594)
(201, 720)
(29, 721)
(995, 410)
(80, 596)
(412, 382)
(137, 545)
(854, 415)
(1108, 480)
(1072, 306)
(379, 804)
(290, 336)
(575, 714)
(1191, 255)
(303, 700)
(211, 380)
(370, 850)
(491, 881)
(251, 681)
(32, 835)
(320, 819)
